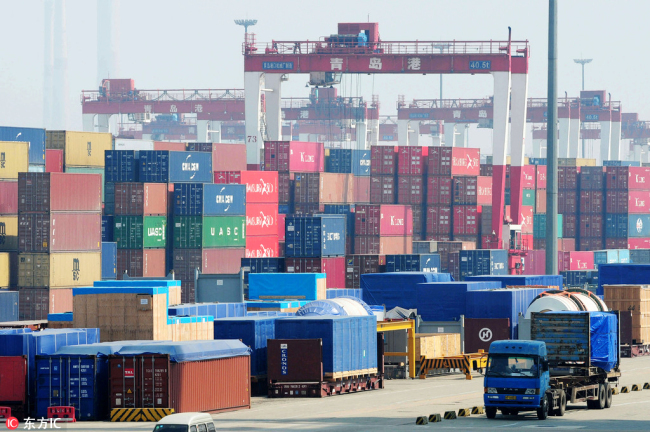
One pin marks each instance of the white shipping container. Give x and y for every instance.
(133, 144)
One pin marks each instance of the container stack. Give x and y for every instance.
(627, 208)
(568, 203)
(59, 239)
(35, 138)
(383, 229)
(528, 201)
(16, 156)
(383, 167)
(591, 220)
(355, 162)
(411, 170)
(634, 298)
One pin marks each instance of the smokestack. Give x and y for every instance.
(108, 39)
(60, 72)
(48, 63)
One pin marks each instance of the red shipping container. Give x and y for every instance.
(410, 190)
(540, 201)
(465, 190)
(418, 221)
(634, 243)
(374, 245)
(281, 226)
(44, 192)
(411, 160)
(8, 197)
(324, 188)
(566, 244)
(540, 181)
(228, 157)
(261, 186)
(115, 86)
(294, 156)
(362, 190)
(527, 240)
(528, 177)
(383, 220)
(261, 220)
(567, 177)
(222, 260)
(467, 238)
(60, 300)
(141, 262)
(53, 161)
(535, 263)
(567, 201)
(484, 191)
(357, 265)
(140, 199)
(633, 201)
(454, 265)
(575, 261)
(228, 177)
(334, 268)
(382, 189)
(453, 161)
(262, 246)
(592, 201)
(526, 218)
(592, 178)
(622, 243)
(467, 220)
(570, 225)
(487, 242)
(591, 225)
(438, 220)
(486, 170)
(628, 178)
(591, 243)
(13, 375)
(439, 190)
(170, 146)
(58, 232)
(383, 160)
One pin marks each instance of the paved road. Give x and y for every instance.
(397, 406)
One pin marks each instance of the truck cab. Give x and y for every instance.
(517, 378)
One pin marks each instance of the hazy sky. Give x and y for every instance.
(195, 44)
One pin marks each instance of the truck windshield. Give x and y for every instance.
(505, 366)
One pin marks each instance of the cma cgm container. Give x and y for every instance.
(161, 166)
(483, 262)
(294, 156)
(410, 263)
(383, 220)
(204, 376)
(346, 161)
(454, 161)
(51, 192)
(58, 270)
(192, 199)
(35, 137)
(316, 236)
(137, 232)
(58, 232)
(333, 267)
(14, 159)
(140, 199)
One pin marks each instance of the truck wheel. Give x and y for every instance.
(542, 412)
(602, 396)
(561, 408)
(608, 398)
(490, 412)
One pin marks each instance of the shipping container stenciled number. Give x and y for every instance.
(252, 138)
(480, 65)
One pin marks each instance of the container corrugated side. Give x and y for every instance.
(14, 158)
(109, 260)
(34, 136)
(86, 149)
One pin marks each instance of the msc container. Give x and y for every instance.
(483, 262)
(8, 233)
(136, 232)
(86, 149)
(8, 301)
(575, 261)
(445, 301)
(315, 236)
(413, 263)
(410, 190)
(411, 161)
(161, 166)
(253, 332)
(383, 160)
(14, 159)
(34, 136)
(453, 161)
(283, 286)
(202, 376)
(52, 192)
(109, 260)
(8, 197)
(627, 178)
(397, 289)
(334, 268)
(349, 343)
(346, 161)
(54, 161)
(58, 232)
(294, 156)
(382, 189)
(58, 270)
(140, 199)
(383, 220)
(133, 144)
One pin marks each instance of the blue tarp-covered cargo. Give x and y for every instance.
(622, 274)
(344, 292)
(514, 280)
(189, 350)
(349, 343)
(253, 332)
(445, 301)
(217, 310)
(287, 286)
(343, 306)
(397, 289)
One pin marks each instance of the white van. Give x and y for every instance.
(186, 422)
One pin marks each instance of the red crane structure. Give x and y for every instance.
(358, 48)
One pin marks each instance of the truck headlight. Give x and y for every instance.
(532, 391)
(491, 390)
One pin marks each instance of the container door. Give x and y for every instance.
(123, 382)
(81, 387)
(152, 381)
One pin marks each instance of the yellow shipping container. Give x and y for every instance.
(5, 269)
(14, 158)
(75, 269)
(8, 233)
(86, 148)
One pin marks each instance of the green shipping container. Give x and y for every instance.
(84, 170)
(224, 231)
(528, 198)
(188, 232)
(539, 226)
(137, 232)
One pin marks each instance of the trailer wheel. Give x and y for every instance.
(608, 398)
(561, 408)
(490, 412)
(542, 412)
(602, 397)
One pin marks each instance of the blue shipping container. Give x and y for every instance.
(188, 199)
(253, 332)
(501, 303)
(579, 278)
(624, 256)
(35, 137)
(397, 289)
(217, 310)
(344, 292)
(445, 301)
(640, 256)
(60, 317)
(120, 166)
(107, 228)
(315, 236)
(483, 262)
(537, 161)
(261, 265)
(8, 305)
(109, 260)
(621, 163)
(286, 286)
(283, 209)
(349, 343)
(413, 263)
(343, 209)
(514, 280)
(622, 274)
(605, 257)
(348, 161)
(161, 166)
(638, 225)
(616, 225)
(224, 200)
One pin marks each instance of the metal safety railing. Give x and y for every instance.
(447, 103)
(163, 95)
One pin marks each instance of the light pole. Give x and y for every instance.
(441, 47)
(551, 145)
(246, 23)
(583, 62)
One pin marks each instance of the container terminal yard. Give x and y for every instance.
(200, 259)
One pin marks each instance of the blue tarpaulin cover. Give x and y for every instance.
(445, 301)
(604, 340)
(253, 332)
(622, 274)
(397, 289)
(102, 348)
(217, 310)
(190, 350)
(514, 280)
(283, 286)
(344, 292)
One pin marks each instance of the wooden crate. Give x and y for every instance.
(174, 296)
(321, 289)
(434, 345)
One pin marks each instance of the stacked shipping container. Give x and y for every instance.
(591, 218)
(627, 208)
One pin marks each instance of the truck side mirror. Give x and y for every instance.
(545, 365)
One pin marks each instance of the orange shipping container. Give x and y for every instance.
(540, 201)
(228, 157)
(371, 245)
(171, 146)
(362, 190)
(60, 300)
